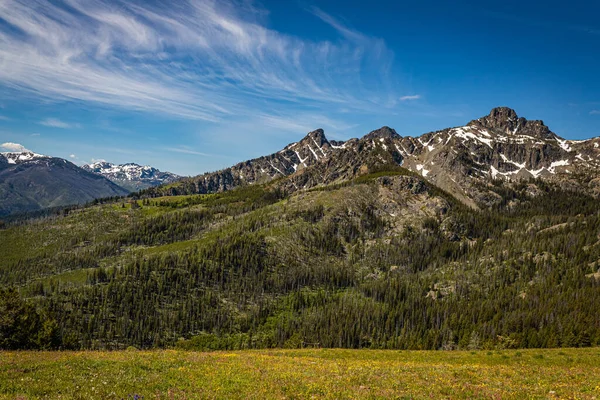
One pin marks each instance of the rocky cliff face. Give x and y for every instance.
(505, 147)
(461, 160)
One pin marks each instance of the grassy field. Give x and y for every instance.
(302, 374)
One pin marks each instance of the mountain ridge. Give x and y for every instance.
(131, 176)
(461, 160)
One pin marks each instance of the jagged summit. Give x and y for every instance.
(385, 132)
(505, 120)
(317, 137)
(503, 114)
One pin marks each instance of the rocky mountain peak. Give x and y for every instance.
(317, 136)
(505, 120)
(385, 132)
(502, 119)
(503, 114)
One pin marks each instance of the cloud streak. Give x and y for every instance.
(595, 112)
(345, 31)
(57, 123)
(185, 150)
(192, 59)
(413, 97)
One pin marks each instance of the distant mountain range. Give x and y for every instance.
(31, 181)
(130, 176)
(462, 160)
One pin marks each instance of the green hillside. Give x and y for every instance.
(384, 261)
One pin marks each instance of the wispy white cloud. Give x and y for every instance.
(595, 112)
(412, 97)
(57, 123)
(73, 156)
(195, 59)
(302, 122)
(13, 147)
(186, 150)
(345, 31)
(3, 118)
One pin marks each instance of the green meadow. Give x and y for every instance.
(302, 374)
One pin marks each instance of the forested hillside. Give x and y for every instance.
(386, 260)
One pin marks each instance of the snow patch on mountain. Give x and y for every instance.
(564, 144)
(465, 133)
(131, 176)
(18, 157)
(506, 160)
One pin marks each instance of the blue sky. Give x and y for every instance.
(197, 85)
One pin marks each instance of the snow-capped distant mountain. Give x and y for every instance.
(18, 157)
(131, 176)
(31, 182)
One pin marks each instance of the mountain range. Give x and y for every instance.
(32, 182)
(462, 160)
(131, 176)
(484, 236)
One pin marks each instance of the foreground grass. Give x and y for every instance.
(321, 373)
